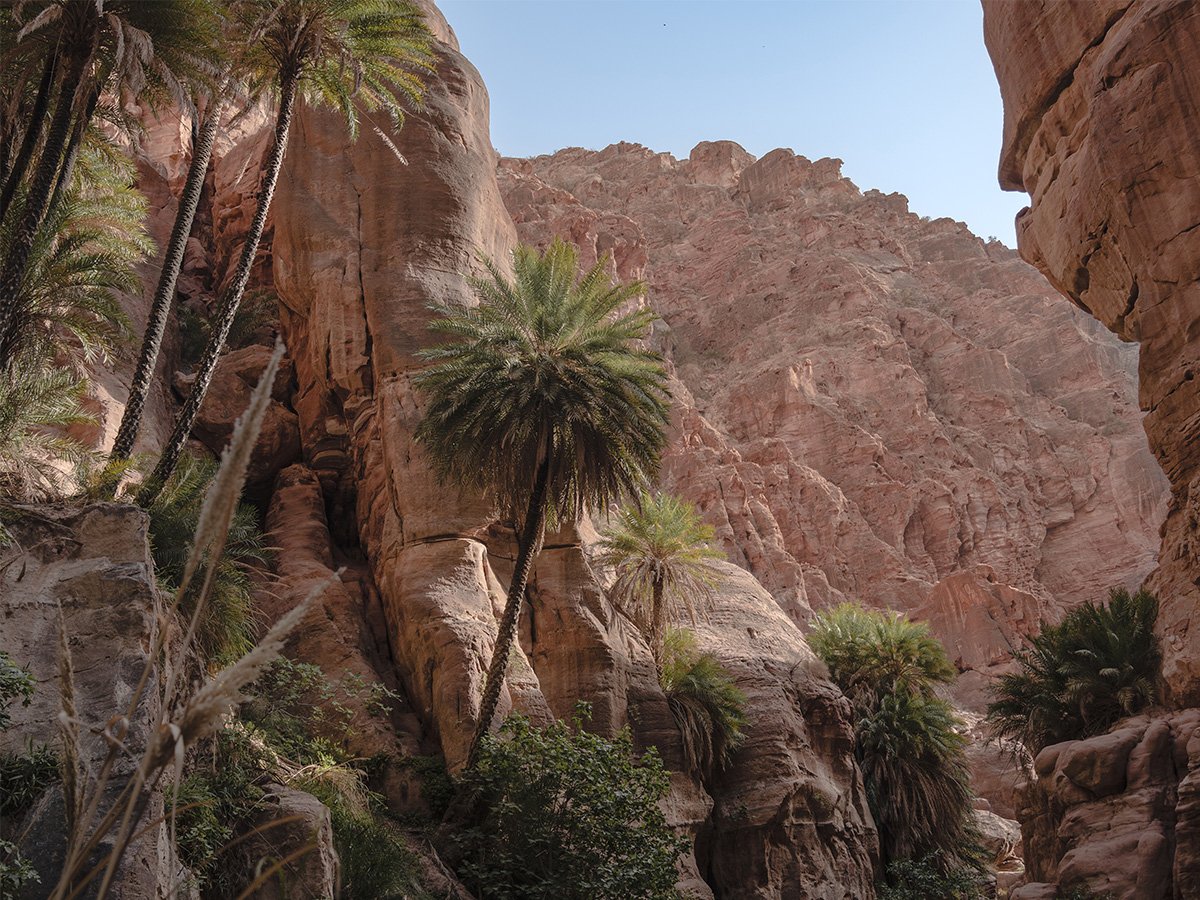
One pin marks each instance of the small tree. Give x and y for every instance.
(568, 816)
(663, 556)
(547, 402)
(1079, 677)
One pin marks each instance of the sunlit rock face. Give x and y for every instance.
(366, 236)
(869, 405)
(1101, 129)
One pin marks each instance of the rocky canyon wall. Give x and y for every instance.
(1102, 130)
(365, 238)
(869, 405)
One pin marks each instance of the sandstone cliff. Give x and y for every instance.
(1100, 128)
(363, 242)
(870, 405)
(1100, 112)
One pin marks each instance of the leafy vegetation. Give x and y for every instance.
(705, 703)
(226, 628)
(546, 401)
(926, 879)
(291, 731)
(663, 557)
(23, 776)
(1077, 678)
(907, 739)
(569, 815)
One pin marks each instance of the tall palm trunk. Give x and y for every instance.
(231, 300)
(33, 132)
(530, 544)
(658, 627)
(66, 171)
(164, 294)
(13, 272)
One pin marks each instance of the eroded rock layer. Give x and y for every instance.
(1102, 129)
(870, 405)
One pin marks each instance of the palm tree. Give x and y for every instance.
(36, 403)
(347, 54)
(547, 402)
(85, 251)
(908, 740)
(663, 556)
(1079, 677)
(164, 293)
(127, 45)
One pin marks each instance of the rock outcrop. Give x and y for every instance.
(869, 405)
(83, 577)
(1100, 128)
(363, 242)
(1117, 814)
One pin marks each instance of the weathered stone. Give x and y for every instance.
(85, 570)
(304, 836)
(1100, 103)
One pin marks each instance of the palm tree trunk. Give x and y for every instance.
(164, 294)
(530, 544)
(33, 131)
(658, 627)
(36, 201)
(67, 171)
(230, 302)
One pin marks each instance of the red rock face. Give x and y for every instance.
(1101, 129)
(869, 405)
(363, 243)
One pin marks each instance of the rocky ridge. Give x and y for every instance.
(869, 405)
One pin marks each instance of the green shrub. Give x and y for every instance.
(705, 703)
(291, 730)
(226, 630)
(24, 777)
(15, 684)
(568, 815)
(1079, 677)
(928, 879)
(907, 739)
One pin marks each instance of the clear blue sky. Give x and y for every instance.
(901, 90)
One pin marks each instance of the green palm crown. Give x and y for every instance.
(546, 370)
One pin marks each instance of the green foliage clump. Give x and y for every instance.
(907, 738)
(706, 704)
(16, 683)
(569, 815)
(925, 879)
(663, 557)
(1079, 677)
(23, 776)
(226, 629)
(290, 731)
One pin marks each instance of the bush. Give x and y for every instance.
(290, 731)
(706, 704)
(1079, 677)
(569, 815)
(907, 738)
(226, 629)
(928, 879)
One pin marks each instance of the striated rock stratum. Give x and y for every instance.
(870, 405)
